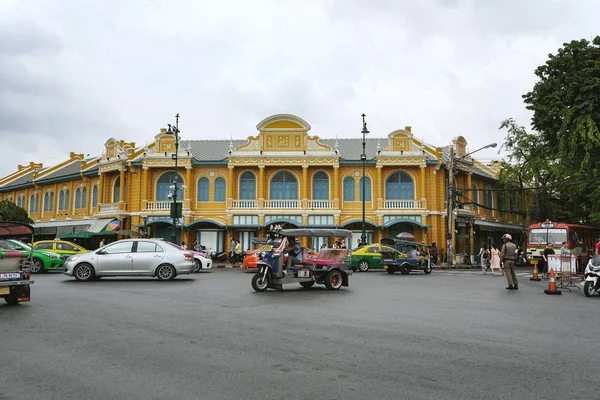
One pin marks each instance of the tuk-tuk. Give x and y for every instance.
(15, 265)
(404, 261)
(330, 267)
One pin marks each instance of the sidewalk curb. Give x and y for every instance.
(227, 266)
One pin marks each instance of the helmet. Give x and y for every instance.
(506, 236)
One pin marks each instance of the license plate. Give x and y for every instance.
(4, 290)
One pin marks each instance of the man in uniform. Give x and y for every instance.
(508, 257)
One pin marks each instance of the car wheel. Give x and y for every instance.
(307, 284)
(12, 299)
(84, 272)
(37, 266)
(333, 281)
(363, 266)
(404, 269)
(166, 272)
(197, 265)
(390, 270)
(588, 289)
(260, 282)
(428, 269)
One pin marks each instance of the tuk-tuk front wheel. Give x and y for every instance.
(333, 281)
(428, 269)
(260, 282)
(390, 270)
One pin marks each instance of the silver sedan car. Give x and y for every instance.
(131, 257)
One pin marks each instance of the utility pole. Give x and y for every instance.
(449, 207)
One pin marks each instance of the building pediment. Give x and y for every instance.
(282, 135)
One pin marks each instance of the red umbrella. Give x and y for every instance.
(405, 236)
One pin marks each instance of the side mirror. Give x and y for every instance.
(101, 252)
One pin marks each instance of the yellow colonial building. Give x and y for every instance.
(283, 175)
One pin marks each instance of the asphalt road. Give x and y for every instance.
(449, 335)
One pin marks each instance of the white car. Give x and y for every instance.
(201, 261)
(131, 257)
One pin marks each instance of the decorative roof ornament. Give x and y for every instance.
(337, 145)
(378, 146)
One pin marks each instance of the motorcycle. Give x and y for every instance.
(592, 275)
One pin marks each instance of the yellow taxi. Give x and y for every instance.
(62, 247)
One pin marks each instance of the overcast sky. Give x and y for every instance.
(74, 73)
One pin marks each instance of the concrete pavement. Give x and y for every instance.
(448, 335)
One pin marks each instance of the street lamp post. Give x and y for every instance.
(174, 208)
(363, 157)
(450, 198)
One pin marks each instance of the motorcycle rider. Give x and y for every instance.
(508, 256)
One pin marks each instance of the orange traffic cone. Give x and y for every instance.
(535, 276)
(552, 285)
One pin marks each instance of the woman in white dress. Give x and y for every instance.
(495, 258)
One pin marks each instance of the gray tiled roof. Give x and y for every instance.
(351, 149)
(27, 178)
(68, 169)
(211, 150)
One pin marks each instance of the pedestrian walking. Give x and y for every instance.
(101, 243)
(494, 258)
(484, 258)
(434, 253)
(508, 256)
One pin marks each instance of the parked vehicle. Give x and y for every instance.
(15, 281)
(592, 275)
(331, 267)
(404, 262)
(132, 257)
(42, 260)
(61, 247)
(367, 257)
(201, 261)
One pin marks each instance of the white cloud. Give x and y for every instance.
(73, 74)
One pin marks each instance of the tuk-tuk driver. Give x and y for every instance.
(294, 250)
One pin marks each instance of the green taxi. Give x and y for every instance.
(42, 260)
(367, 257)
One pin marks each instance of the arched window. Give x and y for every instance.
(46, 204)
(164, 183)
(61, 200)
(321, 186)
(399, 186)
(488, 200)
(203, 187)
(247, 186)
(51, 208)
(95, 196)
(67, 199)
(475, 195)
(284, 186)
(78, 199)
(117, 190)
(349, 189)
(83, 197)
(367, 182)
(219, 189)
(513, 205)
(18, 202)
(37, 203)
(31, 203)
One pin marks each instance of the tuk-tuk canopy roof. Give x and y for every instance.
(392, 241)
(314, 232)
(8, 228)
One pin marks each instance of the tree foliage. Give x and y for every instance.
(566, 144)
(9, 211)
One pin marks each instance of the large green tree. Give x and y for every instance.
(10, 212)
(565, 145)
